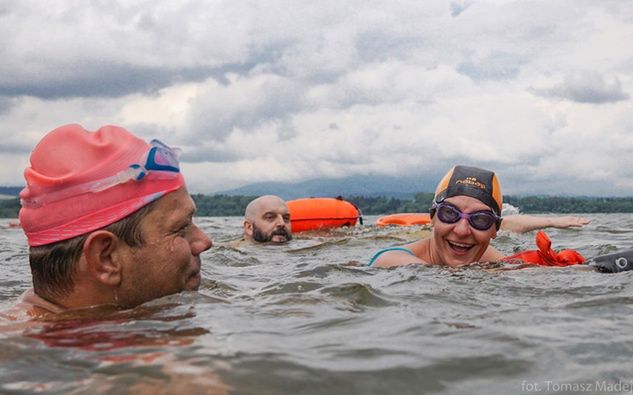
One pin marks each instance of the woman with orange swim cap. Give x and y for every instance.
(466, 215)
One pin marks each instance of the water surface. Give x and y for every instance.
(308, 318)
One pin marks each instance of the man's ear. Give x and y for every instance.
(102, 252)
(248, 228)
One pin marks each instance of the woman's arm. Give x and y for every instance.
(521, 223)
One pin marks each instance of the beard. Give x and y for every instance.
(260, 236)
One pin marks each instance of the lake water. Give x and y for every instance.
(307, 319)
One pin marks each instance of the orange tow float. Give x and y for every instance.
(404, 219)
(544, 255)
(322, 213)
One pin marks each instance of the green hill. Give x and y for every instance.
(225, 205)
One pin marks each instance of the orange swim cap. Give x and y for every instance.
(480, 184)
(80, 181)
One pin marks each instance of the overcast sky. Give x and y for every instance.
(252, 91)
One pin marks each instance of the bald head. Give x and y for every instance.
(263, 203)
(266, 219)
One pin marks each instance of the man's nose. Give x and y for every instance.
(279, 221)
(201, 241)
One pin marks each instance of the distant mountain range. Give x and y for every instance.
(10, 192)
(368, 186)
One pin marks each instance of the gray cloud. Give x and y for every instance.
(15, 149)
(585, 87)
(209, 153)
(497, 66)
(6, 103)
(100, 79)
(374, 45)
(457, 8)
(245, 104)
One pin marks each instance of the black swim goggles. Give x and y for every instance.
(480, 220)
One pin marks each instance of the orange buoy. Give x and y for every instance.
(404, 219)
(321, 213)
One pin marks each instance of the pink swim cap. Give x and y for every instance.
(80, 181)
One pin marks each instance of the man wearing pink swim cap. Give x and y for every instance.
(109, 221)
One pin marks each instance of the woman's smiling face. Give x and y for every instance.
(459, 243)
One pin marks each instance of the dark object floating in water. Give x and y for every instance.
(613, 263)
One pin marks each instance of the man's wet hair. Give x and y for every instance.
(53, 265)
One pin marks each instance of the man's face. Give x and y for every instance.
(271, 222)
(169, 260)
(278, 235)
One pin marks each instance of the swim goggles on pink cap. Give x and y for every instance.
(160, 158)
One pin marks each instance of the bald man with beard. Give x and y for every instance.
(267, 219)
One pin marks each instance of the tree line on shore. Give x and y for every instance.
(225, 205)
